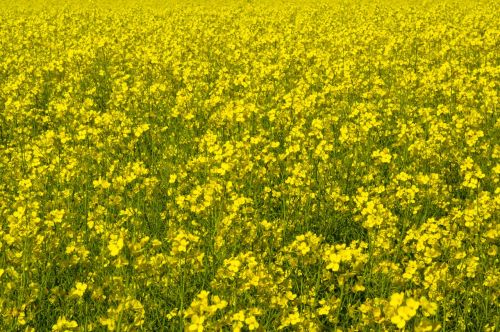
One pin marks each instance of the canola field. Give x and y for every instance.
(249, 165)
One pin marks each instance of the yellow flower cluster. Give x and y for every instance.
(249, 165)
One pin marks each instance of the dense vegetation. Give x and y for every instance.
(233, 165)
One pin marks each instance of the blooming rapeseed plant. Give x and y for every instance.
(249, 165)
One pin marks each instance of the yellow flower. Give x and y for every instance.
(115, 245)
(412, 303)
(294, 318)
(324, 310)
(239, 316)
(430, 308)
(358, 288)
(398, 321)
(406, 312)
(79, 289)
(196, 323)
(64, 325)
(303, 248)
(251, 323)
(397, 299)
